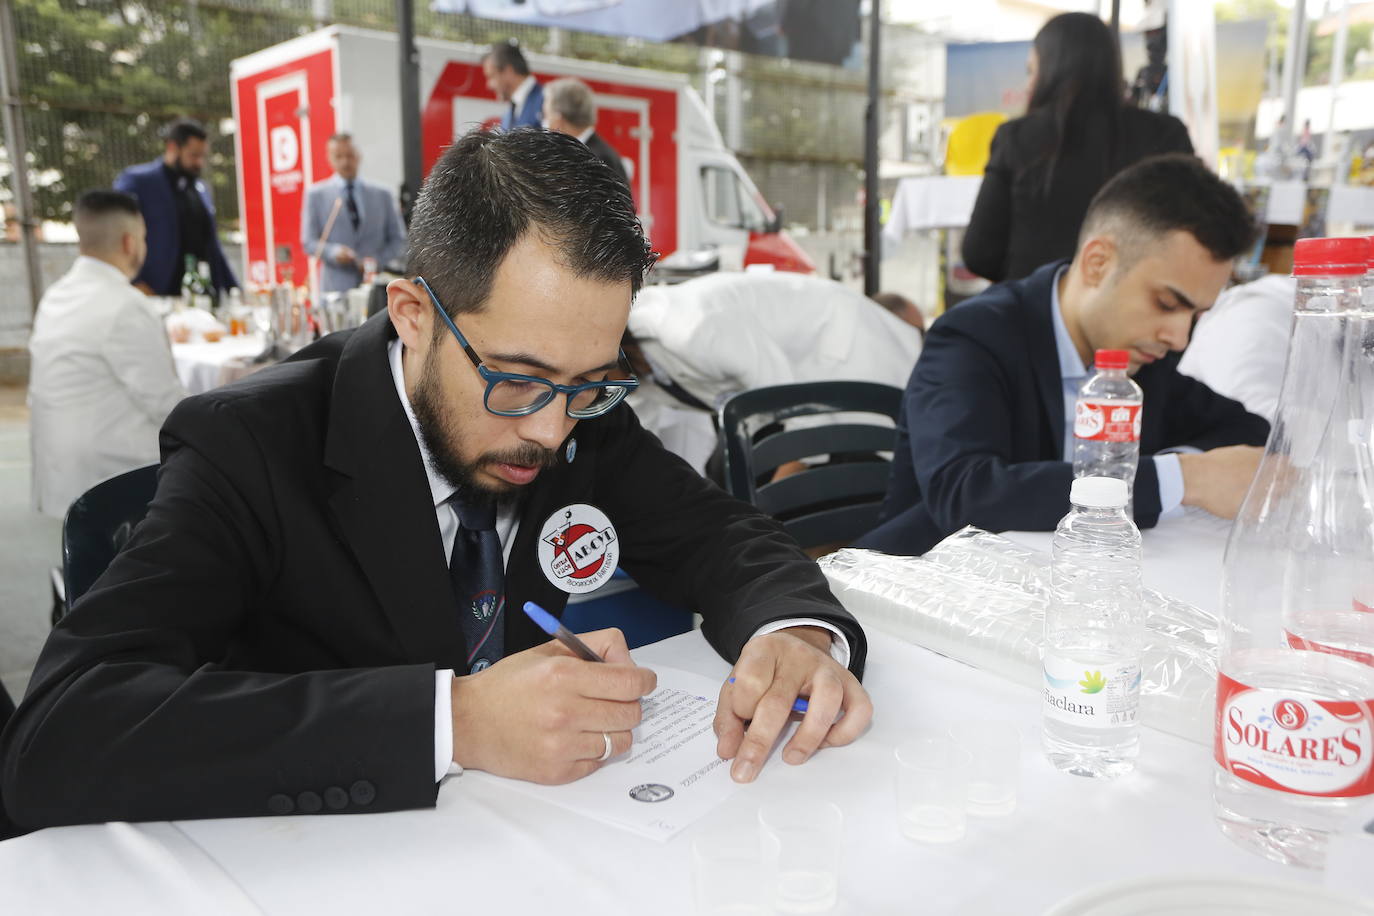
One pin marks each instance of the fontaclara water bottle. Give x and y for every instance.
(1106, 421)
(1294, 739)
(1093, 635)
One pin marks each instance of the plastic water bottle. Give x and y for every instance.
(1294, 739)
(1106, 421)
(1094, 635)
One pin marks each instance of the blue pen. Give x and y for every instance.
(549, 624)
(798, 705)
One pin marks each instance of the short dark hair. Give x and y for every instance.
(342, 136)
(488, 190)
(103, 202)
(504, 54)
(182, 130)
(102, 217)
(1162, 194)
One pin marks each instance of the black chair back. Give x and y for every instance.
(99, 524)
(829, 503)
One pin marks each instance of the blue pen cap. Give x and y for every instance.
(545, 621)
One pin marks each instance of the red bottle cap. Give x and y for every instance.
(1112, 359)
(1330, 257)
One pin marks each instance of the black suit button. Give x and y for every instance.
(309, 802)
(335, 798)
(362, 792)
(281, 804)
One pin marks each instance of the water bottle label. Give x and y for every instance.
(1107, 421)
(1091, 694)
(1294, 741)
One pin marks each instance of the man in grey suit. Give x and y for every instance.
(368, 224)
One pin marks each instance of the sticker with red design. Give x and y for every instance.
(1107, 421)
(1293, 741)
(578, 548)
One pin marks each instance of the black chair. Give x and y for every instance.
(828, 503)
(99, 524)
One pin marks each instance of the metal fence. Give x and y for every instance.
(98, 78)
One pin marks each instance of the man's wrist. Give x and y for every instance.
(819, 637)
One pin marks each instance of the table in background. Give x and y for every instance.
(202, 365)
(486, 848)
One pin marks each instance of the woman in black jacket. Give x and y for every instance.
(1046, 166)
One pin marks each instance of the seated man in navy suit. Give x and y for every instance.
(509, 79)
(367, 224)
(985, 436)
(178, 210)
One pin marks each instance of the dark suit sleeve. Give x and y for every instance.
(1199, 417)
(688, 542)
(131, 713)
(989, 228)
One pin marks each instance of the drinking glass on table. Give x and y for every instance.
(994, 768)
(932, 788)
(802, 854)
(728, 873)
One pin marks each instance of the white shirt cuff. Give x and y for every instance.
(839, 643)
(443, 725)
(1170, 484)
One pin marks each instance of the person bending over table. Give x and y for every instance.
(321, 610)
(985, 435)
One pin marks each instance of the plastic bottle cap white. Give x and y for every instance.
(1099, 492)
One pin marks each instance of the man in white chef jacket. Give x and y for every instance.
(101, 378)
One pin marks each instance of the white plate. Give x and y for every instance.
(1210, 896)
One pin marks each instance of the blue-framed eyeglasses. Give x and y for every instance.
(510, 394)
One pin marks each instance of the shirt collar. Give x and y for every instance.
(439, 488)
(111, 273)
(522, 92)
(1070, 363)
(586, 135)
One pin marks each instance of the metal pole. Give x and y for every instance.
(1294, 63)
(19, 151)
(872, 239)
(1337, 74)
(1115, 23)
(410, 107)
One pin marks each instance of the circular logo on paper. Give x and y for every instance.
(578, 548)
(651, 792)
(1290, 715)
(1087, 420)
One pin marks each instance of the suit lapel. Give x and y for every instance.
(1044, 354)
(382, 502)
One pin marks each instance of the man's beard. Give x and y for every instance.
(440, 435)
(188, 171)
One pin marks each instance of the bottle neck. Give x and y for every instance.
(1101, 511)
(1328, 294)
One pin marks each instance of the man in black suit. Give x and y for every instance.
(570, 108)
(985, 434)
(321, 610)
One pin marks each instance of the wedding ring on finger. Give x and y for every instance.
(606, 755)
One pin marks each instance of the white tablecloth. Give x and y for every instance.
(201, 365)
(487, 849)
(930, 202)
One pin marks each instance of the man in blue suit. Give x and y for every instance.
(985, 435)
(367, 224)
(509, 79)
(178, 210)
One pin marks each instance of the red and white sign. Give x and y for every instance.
(1295, 742)
(1107, 421)
(578, 548)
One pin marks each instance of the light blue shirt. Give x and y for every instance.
(1072, 375)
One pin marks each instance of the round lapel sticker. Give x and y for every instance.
(578, 549)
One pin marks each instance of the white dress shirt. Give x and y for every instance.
(507, 522)
(1240, 345)
(522, 92)
(101, 381)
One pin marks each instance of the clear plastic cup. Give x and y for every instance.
(994, 768)
(729, 873)
(932, 789)
(802, 842)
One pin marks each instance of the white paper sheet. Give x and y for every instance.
(670, 776)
